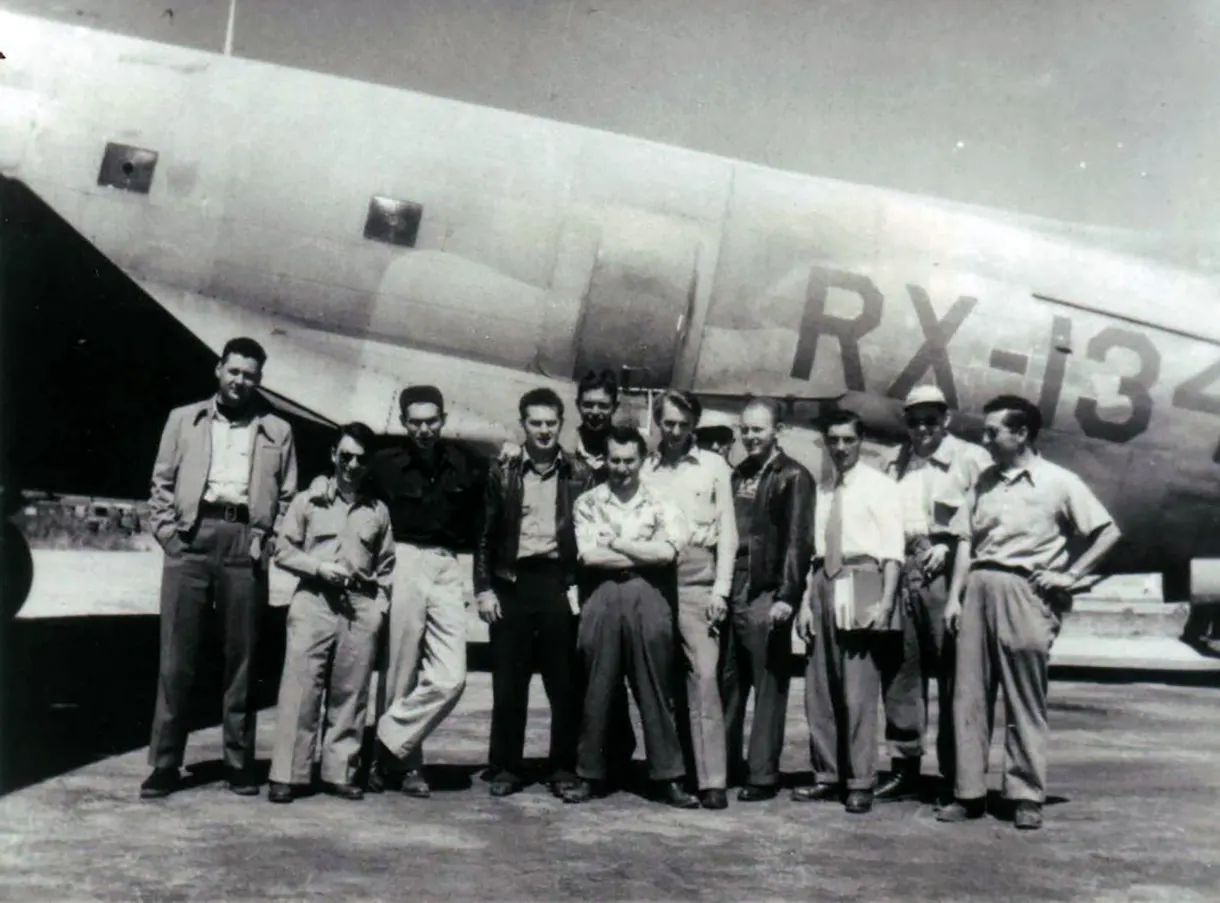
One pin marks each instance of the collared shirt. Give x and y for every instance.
(538, 500)
(1024, 518)
(871, 512)
(438, 505)
(228, 479)
(596, 463)
(321, 527)
(934, 487)
(600, 517)
(700, 484)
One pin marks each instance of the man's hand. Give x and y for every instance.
(879, 615)
(805, 630)
(334, 574)
(256, 548)
(574, 600)
(1047, 581)
(932, 560)
(509, 451)
(780, 613)
(717, 609)
(489, 607)
(953, 614)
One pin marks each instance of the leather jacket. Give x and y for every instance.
(495, 554)
(780, 542)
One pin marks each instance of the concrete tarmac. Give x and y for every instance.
(1135, 783)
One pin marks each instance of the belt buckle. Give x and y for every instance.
(230, 514)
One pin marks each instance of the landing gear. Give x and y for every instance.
(16, 571)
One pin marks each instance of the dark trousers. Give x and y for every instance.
(627, 626)
(922, 652)
(754, 654)
(536, 629)
(214, 569)
(620, 740)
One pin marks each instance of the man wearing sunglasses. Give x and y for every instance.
(934, 469)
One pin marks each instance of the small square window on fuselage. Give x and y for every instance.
(394, 222)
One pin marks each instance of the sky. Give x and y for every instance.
(1105, 112)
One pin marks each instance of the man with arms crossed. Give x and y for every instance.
(1016, 575)
(225, 473)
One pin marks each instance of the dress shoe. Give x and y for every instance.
(161, 783)
(582, 791)
(415, 784)
(280, 793)
(344, 791)
(505, 787)
(1028, 816)
(962, 810)
(756, 793)
(674, 794)
(714, 799)
(902, 784)
(859, 801)
(382, 778)
(818, 793)
(560, 784)
(241, 782)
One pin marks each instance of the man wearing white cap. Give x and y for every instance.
(934, 470)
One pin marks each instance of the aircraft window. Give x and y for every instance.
(394, 222)
(127, 168)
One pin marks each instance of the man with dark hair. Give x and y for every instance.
(225, 472)
(596, 402)
(336, 539)
(434, 492)
(1017, 574)
(773, 501)
(858, 538)
(630, 539)
(525, 578)
(699, 483)
(934, 470)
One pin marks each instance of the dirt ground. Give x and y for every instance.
(1135, 775)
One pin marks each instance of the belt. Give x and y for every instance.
(852, 561)
(233, 514)
(1015, 570)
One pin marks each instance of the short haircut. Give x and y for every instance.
(685, 402)
(842, 418)
(244, 346)
(592, 381)
(361, 432)
(540, 398)
(420, 395)
(1018, 413)
(628, 435)
(772, 406)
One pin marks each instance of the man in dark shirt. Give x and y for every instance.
(434, 493)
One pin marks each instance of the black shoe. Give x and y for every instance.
(280, 793)
(756, 793)
(859, 801)
(1028, 816)
(902, 784)
(561, 781)
(161, 783)
(818, 793)
(344, 791)
(241, 782)
(505, 787)
(962, 810)
(674, 794)
(583, 791)
(415, 784)
(714, 799)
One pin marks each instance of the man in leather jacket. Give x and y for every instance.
(773, 496)
(525, 582)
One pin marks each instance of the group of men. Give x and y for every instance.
(610, 566)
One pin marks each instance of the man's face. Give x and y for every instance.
(926, 427)
(541, 424)
(351, 461)
(624, 460)
(1000, 440)
(758, 432)
(676, 426)
(423, 421)
(843, 443)
(596, 407)
(238, 377)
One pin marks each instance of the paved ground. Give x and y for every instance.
(1135, 775)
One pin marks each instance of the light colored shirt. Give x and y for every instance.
(700, 484)
(933, 488)
(321, 527)
(872, 515)
(228, 479)
(599, 517)
(538, 499)
(1024, 518)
